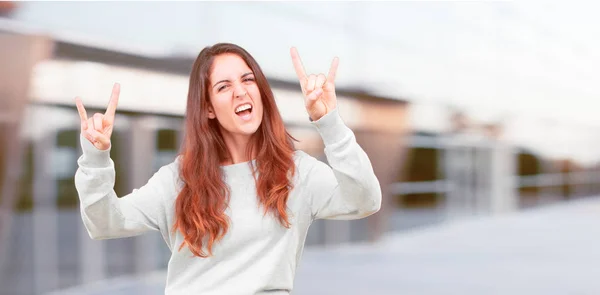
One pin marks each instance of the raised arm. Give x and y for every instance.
(104, 214)
(347, 188)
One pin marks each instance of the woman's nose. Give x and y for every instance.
(240, 91)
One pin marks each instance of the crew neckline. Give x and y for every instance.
(242, 168)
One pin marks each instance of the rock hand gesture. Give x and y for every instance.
(318, 90)
(98, 128)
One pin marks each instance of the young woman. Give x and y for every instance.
(236, 204)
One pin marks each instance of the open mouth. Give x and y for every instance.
(244, 110)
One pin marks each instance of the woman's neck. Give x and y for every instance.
(237, 146)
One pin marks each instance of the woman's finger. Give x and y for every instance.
(98, 122)
(313, 96)
(112, 104)
(310, 85)
(82, 113)
(300, 72)
(101, 141)
(333, 70)
(320, 81)
(90, 123)
(88, 136)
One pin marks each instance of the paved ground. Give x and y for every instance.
(554, 250)
(551, 250)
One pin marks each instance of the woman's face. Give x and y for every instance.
(234, 96)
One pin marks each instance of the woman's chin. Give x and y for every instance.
(248, 129)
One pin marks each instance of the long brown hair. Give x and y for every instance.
(201, 204)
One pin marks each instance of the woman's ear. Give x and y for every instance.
(211, 113)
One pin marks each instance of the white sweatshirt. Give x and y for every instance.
(257, 255)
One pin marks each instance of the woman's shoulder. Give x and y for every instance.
(171, 169)
(169, 175)
(302, 158)
(305, 162)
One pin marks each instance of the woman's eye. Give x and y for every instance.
(222, 87)
(249, 79)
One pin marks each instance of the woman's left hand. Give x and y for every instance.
(318, 90)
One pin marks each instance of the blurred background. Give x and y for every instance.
(480, 119)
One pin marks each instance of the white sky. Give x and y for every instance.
(524, 61)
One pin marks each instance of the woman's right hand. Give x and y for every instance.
(98, 128)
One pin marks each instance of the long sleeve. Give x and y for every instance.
(106, 216)
(349, 188)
